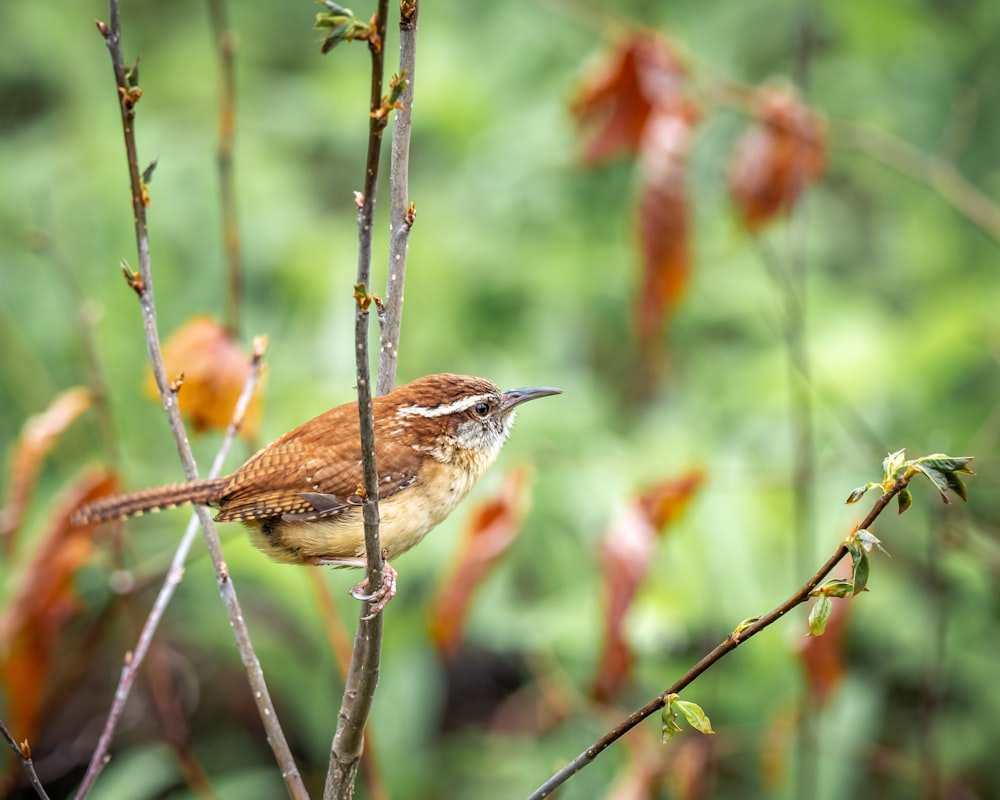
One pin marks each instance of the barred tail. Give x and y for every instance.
(158, 498)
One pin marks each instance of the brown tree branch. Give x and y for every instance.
(401, 211)
(129, 95)
(726, 646)
(362, 676)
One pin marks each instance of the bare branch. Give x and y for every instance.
(134, 659)
(362, 676)
(401, 211)
(129, 94)
(727, 645)
(937, 173)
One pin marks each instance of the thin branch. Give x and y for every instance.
(726, 646)
(937, 173)
(24, 753)
(401, 211)
(175, 573)
(226, 40)
(362, 677)
(340, 647)
(142, 283)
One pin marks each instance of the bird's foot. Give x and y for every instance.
(380, 598)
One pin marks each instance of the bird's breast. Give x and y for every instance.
(405, 518)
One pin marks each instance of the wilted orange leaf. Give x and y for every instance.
(664, 502)
(626, 552)
(664, 238)
(776, 158)
(45, 602)
(823, 656)
(38, 436)
(489, 533)
(616, 100)
(215, 369)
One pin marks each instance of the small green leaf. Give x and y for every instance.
(956, 485)
(892, 462)
(745, 624)
(341, 25)
(935, 476)
(853, 546)
(835, 587)
(696, 718)
(869, 540)
(668, 721)
(819, 615)
(904, 500)
(943, 463)
(860, 569)
(857, 494)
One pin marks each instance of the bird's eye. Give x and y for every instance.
(481, 409)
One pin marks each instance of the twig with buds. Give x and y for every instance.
(129, 94)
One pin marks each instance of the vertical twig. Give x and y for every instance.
(128, 95)
(362, 677)
(134, 659)
(401, 211)
(226, 41)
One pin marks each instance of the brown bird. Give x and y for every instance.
(301, 495)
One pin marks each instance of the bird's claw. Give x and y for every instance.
(378, 599)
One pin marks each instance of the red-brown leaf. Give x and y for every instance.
(214, 367)
(776, 159)
(664, 238)
(38, 436)
(45, 602)
(616, 99)
(489, 533)
(626, 552)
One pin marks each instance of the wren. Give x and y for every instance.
(301, 495)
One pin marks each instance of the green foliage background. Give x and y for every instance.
(523, 268)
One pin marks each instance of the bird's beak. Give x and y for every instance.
(514, 397)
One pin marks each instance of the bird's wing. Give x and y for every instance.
(300, 478)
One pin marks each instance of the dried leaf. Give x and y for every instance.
(616, 99)
(489, 533)
(663, 214)
(45, 602)
(776, 158)
(215, 368)
(626, 553)
(664, 502)
(38, 436)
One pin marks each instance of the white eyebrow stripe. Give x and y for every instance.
(440, 411)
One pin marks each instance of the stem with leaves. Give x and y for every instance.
(943, 471)
(129, 94)
(362, 676)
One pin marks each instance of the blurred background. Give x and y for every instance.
(748, 293)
